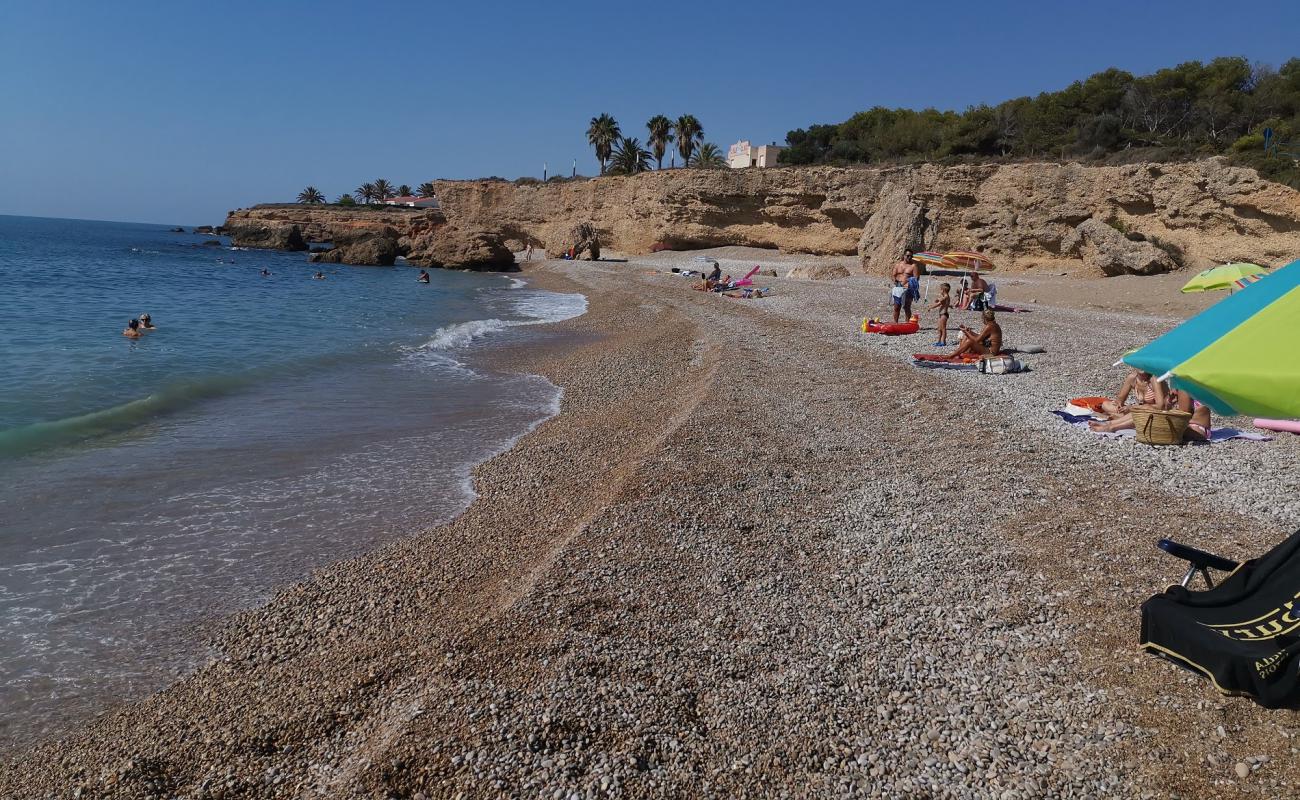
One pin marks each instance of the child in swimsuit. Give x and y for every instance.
(944, 304)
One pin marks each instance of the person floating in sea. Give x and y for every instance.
(319, 276)
(944, 304)
(424, 276)
(132, 330)
(907, 285)
(146, 323)
(266, 273)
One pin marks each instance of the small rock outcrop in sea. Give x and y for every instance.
(265, 234)
(375, 246)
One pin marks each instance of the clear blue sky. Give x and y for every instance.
(177, 112)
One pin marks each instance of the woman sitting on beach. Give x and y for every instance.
(988, 342)
(1198, 428)
(1137, 383)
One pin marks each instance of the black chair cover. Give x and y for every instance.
(1244, 634)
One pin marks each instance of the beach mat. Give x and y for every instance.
(1217, 435)
(928, 364)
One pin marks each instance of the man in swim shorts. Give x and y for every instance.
(907, 285)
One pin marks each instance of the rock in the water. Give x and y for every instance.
(212, 243)
(819, 272)
(206, 229)
(1103, 247)
(450, 246)
(266, 234)
(370, 246)
(176, 230)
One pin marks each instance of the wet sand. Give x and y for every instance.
(757, 554)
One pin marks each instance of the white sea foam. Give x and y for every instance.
(538, 308)
(517, 283)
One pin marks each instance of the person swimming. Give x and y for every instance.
(266, 273)
(424, 276)
(319, 276)
(146, 323)
(132, 330)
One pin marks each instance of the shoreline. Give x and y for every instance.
(754, 550)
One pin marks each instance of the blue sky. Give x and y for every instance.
(178, 112)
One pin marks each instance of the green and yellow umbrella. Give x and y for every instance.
(1239, 355)
(1226, 276)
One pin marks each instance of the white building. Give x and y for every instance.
(741, 155)
(413, 202)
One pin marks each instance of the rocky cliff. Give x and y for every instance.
(1136, 218)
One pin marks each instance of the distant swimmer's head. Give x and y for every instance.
(145, 318)
(133, 324)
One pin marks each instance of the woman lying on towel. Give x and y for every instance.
(1198, 428)
(988, 342)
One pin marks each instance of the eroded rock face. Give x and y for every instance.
(451, 246)
(368, 245)
(1103, 248)
(1022, 215)
(266, 234)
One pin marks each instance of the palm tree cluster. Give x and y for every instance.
(622, 155)
(376, 191)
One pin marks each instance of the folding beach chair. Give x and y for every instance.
(1243, 634)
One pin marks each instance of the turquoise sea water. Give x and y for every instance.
(270, 425)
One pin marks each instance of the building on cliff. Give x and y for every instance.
(741, 155)
(413, 202)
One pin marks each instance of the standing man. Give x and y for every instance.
(907, 285)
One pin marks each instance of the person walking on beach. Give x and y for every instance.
(528, 252)
(907, 285)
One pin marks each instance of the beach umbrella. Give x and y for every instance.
(968, 260)
(1225, 277)
(929, 259)
(1239, 355)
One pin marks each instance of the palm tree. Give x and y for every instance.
(365, 193)
(383, 189)
(708, 157)
(661, 135)
(405, 191)
(345, 200)
(629, 158)
(426, 190)
(689, 136)
(311, 195)
(601, 134)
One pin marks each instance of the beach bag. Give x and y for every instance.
(999, 365)
(1160, 427)
(898, 292)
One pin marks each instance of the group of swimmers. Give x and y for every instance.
(1154, 395)
(137, 326)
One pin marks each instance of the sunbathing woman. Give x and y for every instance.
(988, 342)
(1198, 428)
(1137, 383)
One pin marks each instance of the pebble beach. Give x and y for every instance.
(757, 553)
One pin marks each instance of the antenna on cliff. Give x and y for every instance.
(543, 172)
(575, 167)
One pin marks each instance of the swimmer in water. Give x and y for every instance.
(146, 323)
(319, 276)
(132, 329)
(266, 273)
(424, 277)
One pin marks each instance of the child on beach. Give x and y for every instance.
(944, 304)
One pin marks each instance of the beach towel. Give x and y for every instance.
(930, 364)
(1217, 435)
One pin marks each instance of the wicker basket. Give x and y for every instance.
(1160, 427)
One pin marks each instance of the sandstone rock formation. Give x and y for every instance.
(582, 240)
(376, 245)
(450, 246)
(819, 272)
(1022, 215)
(1105, 249)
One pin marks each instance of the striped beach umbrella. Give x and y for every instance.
(929, 259)
(967, 259)
(1239, 355)
(1246, 280)
(1225, 276)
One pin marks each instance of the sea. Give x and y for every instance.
(271, 424)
